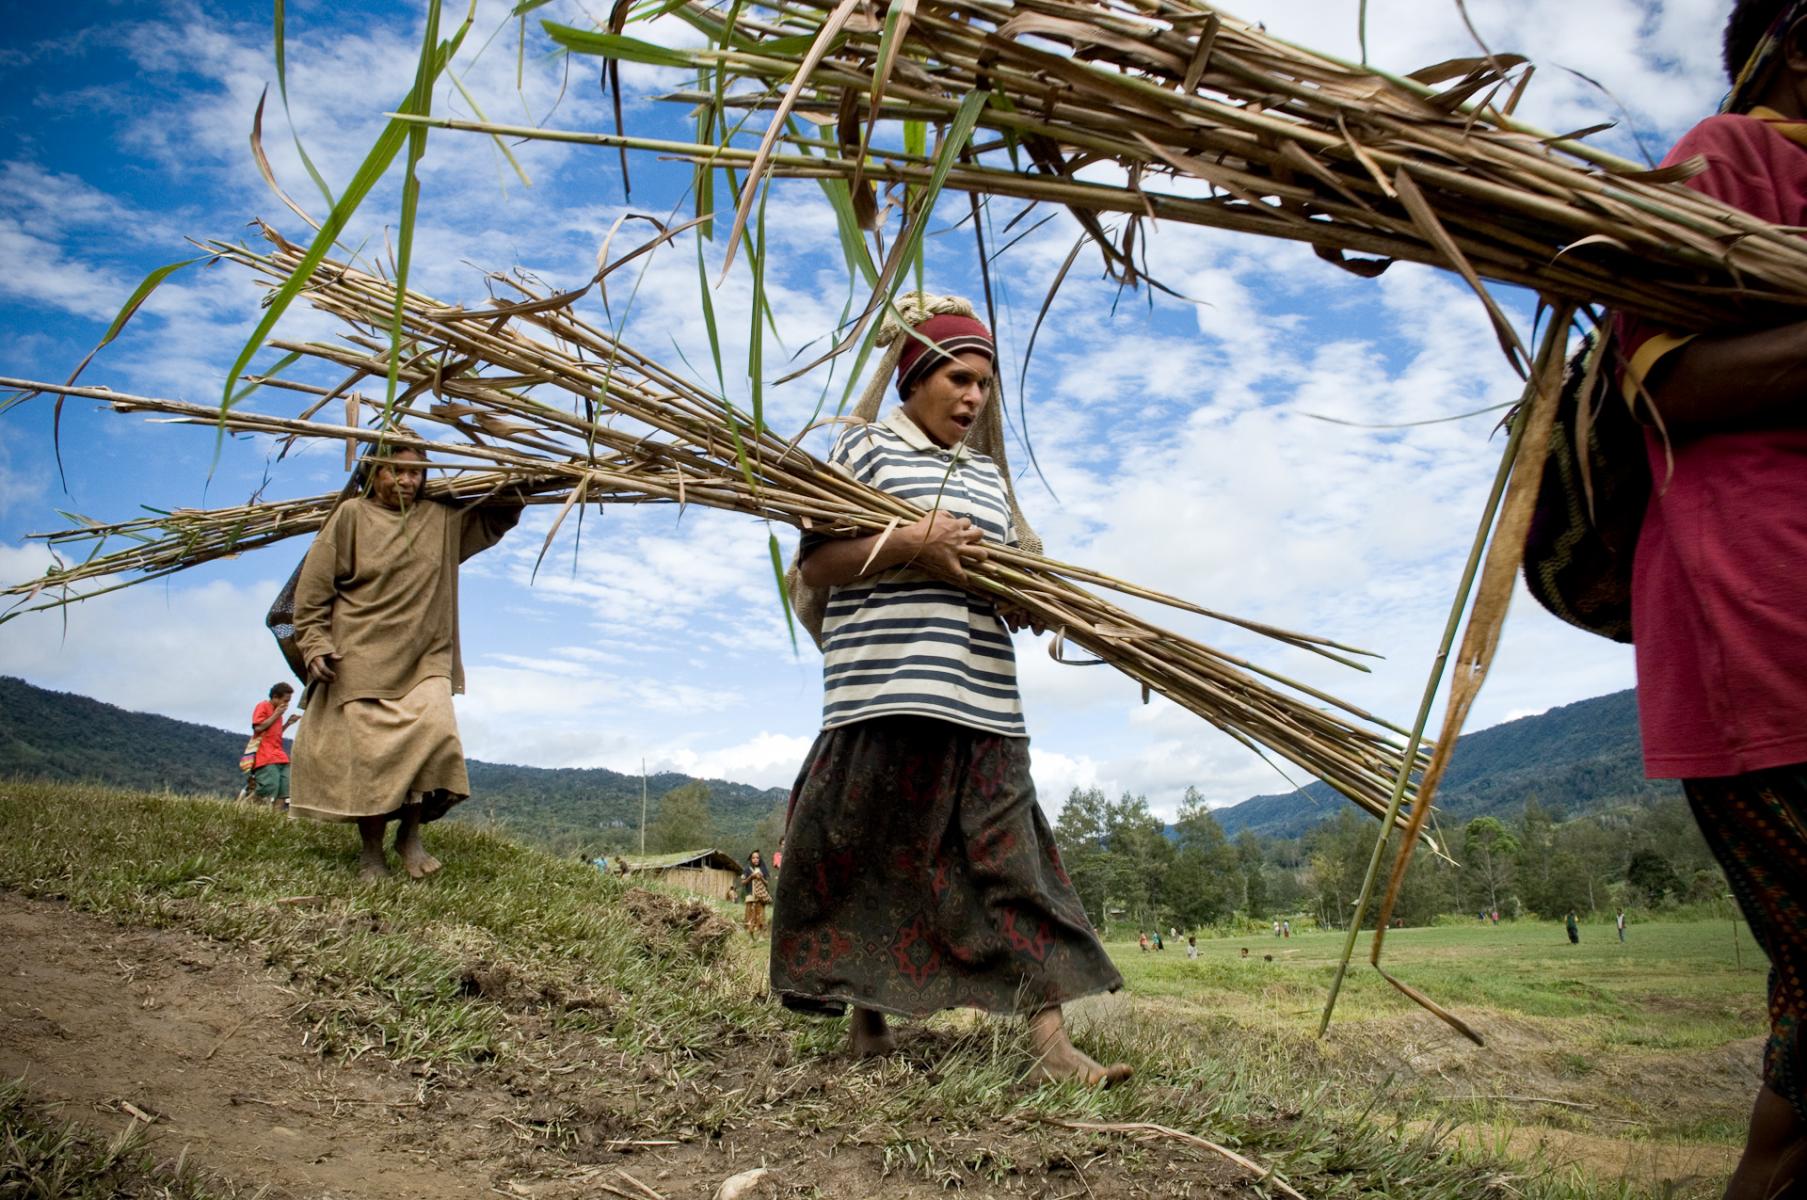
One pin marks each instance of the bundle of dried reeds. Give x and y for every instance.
(1184, 99)
(637, 430)
(165, 542)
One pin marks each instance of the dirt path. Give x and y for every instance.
(97, 1018)
(112, 1025)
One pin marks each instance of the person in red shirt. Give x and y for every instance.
(270, 769)
(1719, 580)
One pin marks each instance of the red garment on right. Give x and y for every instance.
(269, 747)
(1719, 583)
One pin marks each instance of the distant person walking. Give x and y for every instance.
(1619, 921)
(270, 767)
(1574, 928)
(1286, 929)
(758, 894)
(376, 622)
(1142, 940)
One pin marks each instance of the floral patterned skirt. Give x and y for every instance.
(919, 874)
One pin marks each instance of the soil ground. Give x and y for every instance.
(110, 1025)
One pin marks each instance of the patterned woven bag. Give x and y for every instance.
(1590, 501)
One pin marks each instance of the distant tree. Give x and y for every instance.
(684, 822)
(1249, 861)
(1139, 858)
(1079, 832)
(1654, 877)
(768, 830)
(1488, 851)
(1205, 880)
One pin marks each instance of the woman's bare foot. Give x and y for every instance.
(373, 864)
(1058, 1060)
(409, 848)
(417, 862)
(868, 1036)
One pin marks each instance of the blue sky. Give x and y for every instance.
(1177, 439)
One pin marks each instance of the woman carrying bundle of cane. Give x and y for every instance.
(920, 873)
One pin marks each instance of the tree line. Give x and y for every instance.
(1131, 868)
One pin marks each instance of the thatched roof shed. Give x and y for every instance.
(708, 873)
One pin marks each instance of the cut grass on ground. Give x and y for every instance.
(515, 963)
(44, 1156)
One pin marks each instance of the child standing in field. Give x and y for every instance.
(1619, 922)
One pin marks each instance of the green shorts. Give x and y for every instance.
(272, 781)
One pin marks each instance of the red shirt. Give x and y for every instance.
(1719, 582)
(269, 750)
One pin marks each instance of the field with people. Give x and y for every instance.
(204, 1002)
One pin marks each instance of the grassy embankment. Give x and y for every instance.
(593, 974)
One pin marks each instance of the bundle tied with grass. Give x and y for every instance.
(471, 386)
(986, 437)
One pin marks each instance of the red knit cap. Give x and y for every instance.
(951, 335)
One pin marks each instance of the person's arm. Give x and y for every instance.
(485, 523)
(1733, 380)
(315, 589)
(937, 543)
(274, 716)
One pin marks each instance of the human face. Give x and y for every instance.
(397, 484)
(946, 403)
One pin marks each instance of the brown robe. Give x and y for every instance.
(379, 587)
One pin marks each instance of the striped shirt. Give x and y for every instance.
(901, 641)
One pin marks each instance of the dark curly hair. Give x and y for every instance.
(1749, 21)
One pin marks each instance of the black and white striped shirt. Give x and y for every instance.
(901, 641)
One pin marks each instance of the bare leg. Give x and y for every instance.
(1058, 1059)
(868, 1036)
(372, 863)
(1773, 1166)
(415, 859)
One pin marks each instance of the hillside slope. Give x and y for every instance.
(63, 736)
(1581, 757)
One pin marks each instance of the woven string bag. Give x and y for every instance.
(986, 437)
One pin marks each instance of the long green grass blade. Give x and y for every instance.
(375, 165)
(616, 46)
(496, 138)
(784, 595)
(708, 303)
(282, 89)
(756, 255)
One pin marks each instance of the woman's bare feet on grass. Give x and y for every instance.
(1058, 1060)
(868, 1036)
(408, 847)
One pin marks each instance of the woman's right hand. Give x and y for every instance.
(946, 545)
(320, 668)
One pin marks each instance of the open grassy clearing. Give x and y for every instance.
(614, 1015)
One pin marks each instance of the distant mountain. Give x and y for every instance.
(1578, 758)
(59, 735)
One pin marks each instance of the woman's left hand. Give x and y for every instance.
(1016, 617)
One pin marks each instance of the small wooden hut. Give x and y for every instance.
(706, 873)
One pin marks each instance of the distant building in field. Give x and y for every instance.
(707, 873)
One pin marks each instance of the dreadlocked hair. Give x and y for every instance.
(1749, 21)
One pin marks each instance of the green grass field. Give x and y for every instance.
(1602, 1037)
(1669, 986)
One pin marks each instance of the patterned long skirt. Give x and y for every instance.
(1756, 825)
(919, 874)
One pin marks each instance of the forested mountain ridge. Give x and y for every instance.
(60, 735)
(1581, 757)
